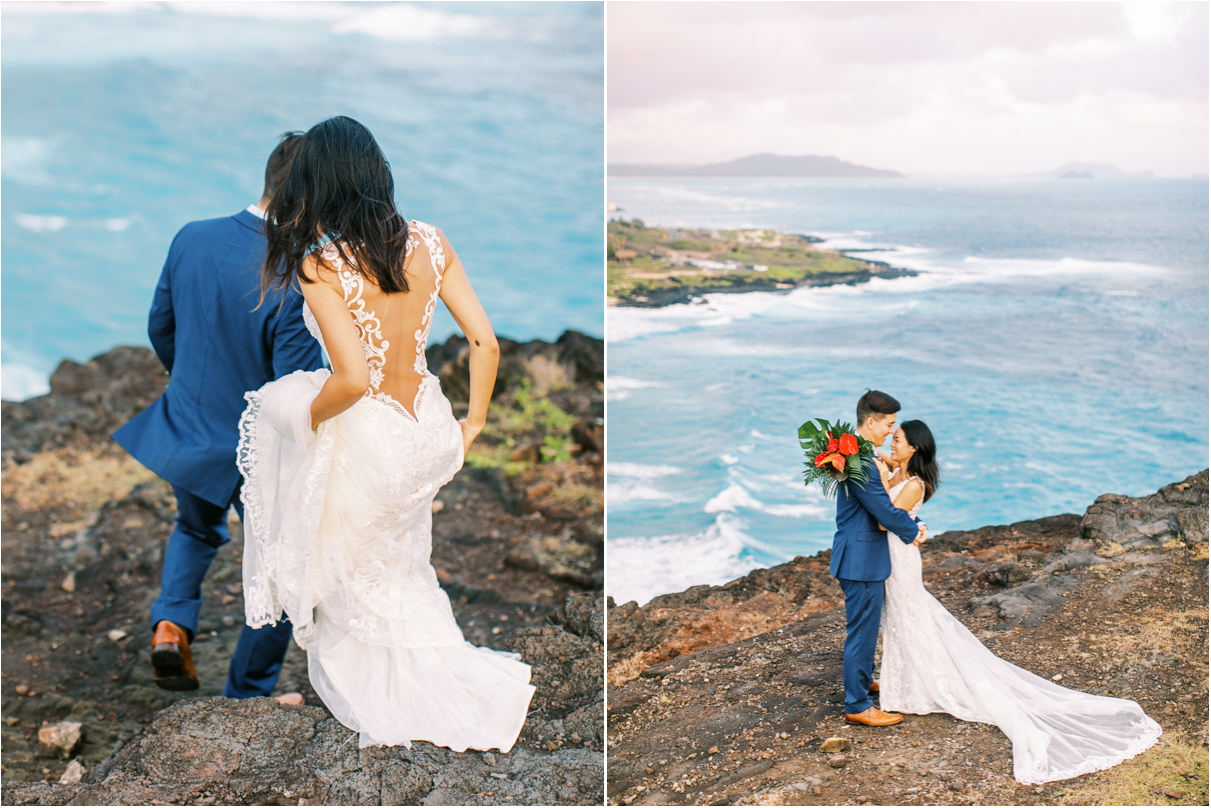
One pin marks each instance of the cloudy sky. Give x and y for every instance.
(944, 88)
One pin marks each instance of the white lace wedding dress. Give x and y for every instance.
(338, 535)
(933, 664)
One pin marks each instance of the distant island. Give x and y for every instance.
(659, 266)
(1092, 171)
(756, 165)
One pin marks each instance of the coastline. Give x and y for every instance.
(690, 293)
(652, 267)
(725, 694)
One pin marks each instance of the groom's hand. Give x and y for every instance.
(922, 531)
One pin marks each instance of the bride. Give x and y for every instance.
(341, 467)
(933, 664)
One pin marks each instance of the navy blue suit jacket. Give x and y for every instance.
(203, 328)
(859, 546)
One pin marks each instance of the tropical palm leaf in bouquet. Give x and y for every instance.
(835, 453)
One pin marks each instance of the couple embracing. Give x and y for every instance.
(931, 661)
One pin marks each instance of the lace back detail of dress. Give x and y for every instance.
(437, 255)
(369, 327)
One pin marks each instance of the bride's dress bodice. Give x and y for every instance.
(398, 364)
(905, 557)
(933, 663)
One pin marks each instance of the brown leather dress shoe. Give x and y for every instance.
(874, 685)
(170, 658)
(874, 717)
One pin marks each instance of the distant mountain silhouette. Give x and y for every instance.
(756, 165)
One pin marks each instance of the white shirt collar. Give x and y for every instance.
(256, 211)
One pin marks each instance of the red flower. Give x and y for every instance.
(827, 458)
(849, 445)
(832, 445)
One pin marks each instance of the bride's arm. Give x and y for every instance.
(464, 306)
(350, 373)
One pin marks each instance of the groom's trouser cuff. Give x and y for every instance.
(863, 605)
(200, 530)
(257, 661)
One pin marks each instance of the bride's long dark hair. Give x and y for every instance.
(922, 463)
(338, 182)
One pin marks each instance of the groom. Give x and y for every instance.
(215, 346)
(861, 562)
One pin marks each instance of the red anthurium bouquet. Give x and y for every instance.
(834, 454)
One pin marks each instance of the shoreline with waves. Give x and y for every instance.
(652, 267)
(716, 390)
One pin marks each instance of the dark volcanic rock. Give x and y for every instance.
(217, 751)
(573, 360)
(256, 751)
(655, 298)
(86, 403)
(735, 711)
(1177, 512)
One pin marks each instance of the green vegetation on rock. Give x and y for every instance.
(522, 418)
(643, 261)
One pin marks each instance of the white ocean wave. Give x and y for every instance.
(715, 310)
(736, 496)
(640, 470)
(729, 499)
(19, 382)
(621, 491)
(410, 23)
(626, 322)
(619, 388)
(41, 223)
(27, 159)
(806, 509)
(633, 482)
(640, 568)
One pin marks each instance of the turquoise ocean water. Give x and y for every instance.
(122, 123)
(1055, 342)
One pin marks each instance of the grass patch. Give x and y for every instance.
(1175, 765)
(523, 417)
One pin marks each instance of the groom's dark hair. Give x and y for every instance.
(876, 402)
(279, 161)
